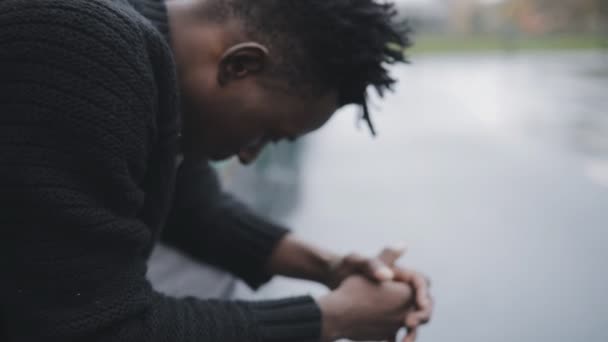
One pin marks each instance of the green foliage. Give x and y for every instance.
(447, 44)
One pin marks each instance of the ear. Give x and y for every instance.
(242, 60)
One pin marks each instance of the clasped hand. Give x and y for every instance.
(373, 298)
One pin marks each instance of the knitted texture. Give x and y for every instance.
(88, 140)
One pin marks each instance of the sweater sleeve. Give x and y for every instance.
(75, 102)
(213, 226)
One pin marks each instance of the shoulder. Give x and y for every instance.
(93, 43)
(85, 63)
(104, 12)
(98, 13)
(101, 26)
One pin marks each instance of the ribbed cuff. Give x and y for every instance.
(295, 319)
(253, 239)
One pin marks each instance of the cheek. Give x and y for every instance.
(237, 130)
(232, 116)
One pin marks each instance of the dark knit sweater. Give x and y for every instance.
(88, 141)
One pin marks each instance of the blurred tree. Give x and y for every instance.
(603, 12)
(545, 16)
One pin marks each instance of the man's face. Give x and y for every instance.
(239, 118)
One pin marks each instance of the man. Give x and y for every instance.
(99, 100)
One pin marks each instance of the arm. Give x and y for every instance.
(213, 226)
(71, 149)
(296, 258)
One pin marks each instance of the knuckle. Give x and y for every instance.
(353, 258)
(411, 321)
(375, 262)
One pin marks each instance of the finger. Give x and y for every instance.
(421, 286)
(419, 317)
(424, 316)
(411, 320)
(371, 268)
(353, 261)
(378, 270)
(411, 335)
(379, 267)
(390, 255)
(420, 283)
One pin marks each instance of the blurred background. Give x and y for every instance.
(491, 163)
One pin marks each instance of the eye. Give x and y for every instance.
(238, 68)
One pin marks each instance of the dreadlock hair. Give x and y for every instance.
(344, 45)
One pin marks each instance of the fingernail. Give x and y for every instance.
(385, 273)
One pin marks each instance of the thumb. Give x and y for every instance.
(390, 255)
(380, 267)
(378, 270)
